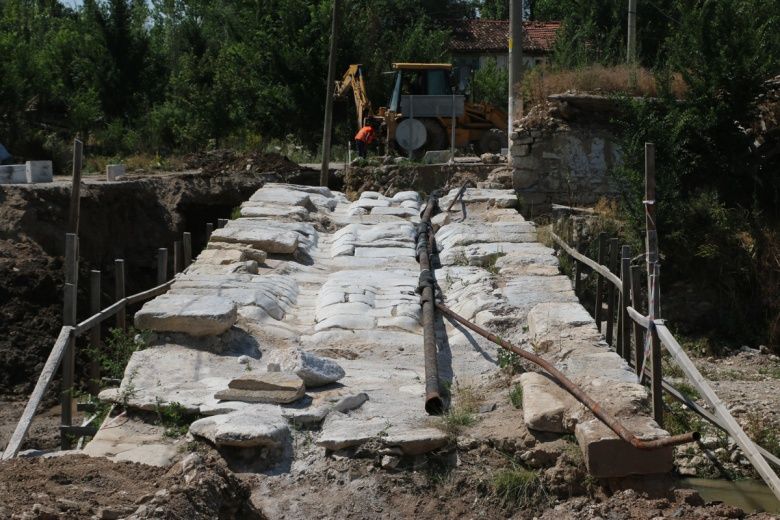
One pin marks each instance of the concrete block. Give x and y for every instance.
(13, 174)
(38, 171)
(436, 156)
(608, 456)
(114, 172)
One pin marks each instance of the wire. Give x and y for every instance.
(663, 13)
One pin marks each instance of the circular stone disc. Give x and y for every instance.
(410, 134)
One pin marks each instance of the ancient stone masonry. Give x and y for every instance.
(555, 162)
(303, 314)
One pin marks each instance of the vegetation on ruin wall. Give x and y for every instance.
(719, 200)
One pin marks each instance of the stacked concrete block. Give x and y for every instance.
(31, 172)
(114, 172)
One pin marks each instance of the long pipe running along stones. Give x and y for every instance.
(612, 422)
(433, 402)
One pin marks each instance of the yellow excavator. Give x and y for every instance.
(419, 116)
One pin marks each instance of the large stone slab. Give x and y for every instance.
(475, 232)
(608, 456)
(313, 370)
(260, 426)
(267, 381)
(546, 406)
(193, 315)
(268, 239)
(247, 252)
(260, 396)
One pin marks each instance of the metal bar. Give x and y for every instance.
(460, 194)
(433, 402)
(624, 336)
(79, 431)
(604, 416)
(119, 292)
(613, 260)
(162, 265)
(94, 333)
(728, 422)
(639, 344)
(44, 380)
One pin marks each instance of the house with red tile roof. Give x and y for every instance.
(474, 42)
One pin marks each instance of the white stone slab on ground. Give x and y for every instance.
(188, 314)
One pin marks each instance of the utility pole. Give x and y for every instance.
(326, 136)
(515, 55)
(631, 52)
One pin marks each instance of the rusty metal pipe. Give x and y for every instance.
(460, 195)
(576, 391)
(433, 401)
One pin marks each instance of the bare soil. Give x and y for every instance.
(77, 487)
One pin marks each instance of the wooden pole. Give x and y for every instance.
(639, 343)
(631, 51)
(624, 336)
(653, 270)
(222, 222)
(600, 279)
(119, 292)
(177, 257)
(209, 231)
(515, 58)
(326, 133)
(75, 189)
(94, 333)
(69, 319)
(186, 241)
(162, 265)
(613, 261)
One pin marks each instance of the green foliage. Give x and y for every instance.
(518, 487)
(516, 396)
(173, 417)
(490, 84)
(117, 349)
(509, 361)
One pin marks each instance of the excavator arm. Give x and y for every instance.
(353, 78)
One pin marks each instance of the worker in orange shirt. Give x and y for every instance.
(363, 138)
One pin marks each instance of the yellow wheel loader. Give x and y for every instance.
(419, 116)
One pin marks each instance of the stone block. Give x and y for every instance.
(521, 138)
(608, 456)
(38, 171)
(521, 150)
(314, 370)
(114, 172)
(189, 314)
(546, 406)
(266, 238)
(245, 428)
(524, 179)
(13, 174)
(260, 396)
(267, 381)
(436, 157)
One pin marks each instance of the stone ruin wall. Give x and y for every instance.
(554, 162)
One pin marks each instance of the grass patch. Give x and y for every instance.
(688, 390)
(117, 349)
(518, 487)
(509, 361)
(236, 213)
(516, 396)
(762, 434)
(462, 411)
(771, 372)
(544, 235)
(173, 417)
(541, 82)
(678, 420)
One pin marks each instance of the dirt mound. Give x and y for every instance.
(30, 313)
(76, 486)
(220, 162)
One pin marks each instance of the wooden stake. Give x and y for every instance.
(186, 241)
(162, 265)
(69, 319)
(600, 279)
(613, 261)
(639, 343)
(94, 333)
(209, 231)
(624, 337)
(577, 271)
(75, 190)
(326, 134)
(119, 292)
(222, 222)
(177, 257)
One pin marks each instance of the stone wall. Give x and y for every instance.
(562, 164)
